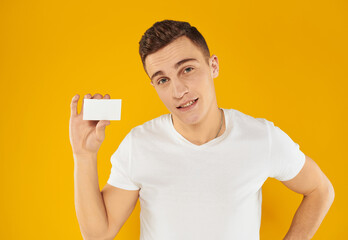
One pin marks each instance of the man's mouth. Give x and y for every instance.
(188, 104)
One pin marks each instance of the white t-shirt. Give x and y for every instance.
(209, 191)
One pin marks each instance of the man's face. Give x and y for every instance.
(180, 74)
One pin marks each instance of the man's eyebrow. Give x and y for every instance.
(176, 66)
(183, 61)
(156, 74)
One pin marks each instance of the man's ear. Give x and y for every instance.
(214, 65)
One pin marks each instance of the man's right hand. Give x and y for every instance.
(86, 136)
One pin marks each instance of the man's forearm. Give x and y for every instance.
(89, 203)
(311, 213)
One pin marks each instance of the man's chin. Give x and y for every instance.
(185, 119)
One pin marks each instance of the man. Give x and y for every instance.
(197, 171)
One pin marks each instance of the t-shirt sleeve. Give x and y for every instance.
(120, 175)
(286, 158)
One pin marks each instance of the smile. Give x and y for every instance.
(187, 105)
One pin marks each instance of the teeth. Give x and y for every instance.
(188, 104)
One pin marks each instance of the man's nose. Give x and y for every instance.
(179, 88)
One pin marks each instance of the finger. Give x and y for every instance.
(73, 105)
(103, 123)
(97, 96)
(100, 129)
(106, 96)
(87, 96)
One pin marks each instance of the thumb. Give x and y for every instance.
(100, 128)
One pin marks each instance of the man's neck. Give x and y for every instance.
(204, 131)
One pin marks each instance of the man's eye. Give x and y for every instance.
(160, 81)
(189, 69)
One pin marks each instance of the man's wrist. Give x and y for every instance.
(85, 158)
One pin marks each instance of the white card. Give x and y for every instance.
(101, 109)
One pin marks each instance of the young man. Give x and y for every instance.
(198, 171)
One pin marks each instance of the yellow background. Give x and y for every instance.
(285, 61)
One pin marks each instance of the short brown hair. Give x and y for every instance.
(164, 32)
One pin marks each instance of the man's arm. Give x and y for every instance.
(100, 214)
(89, 205)
(318, 195)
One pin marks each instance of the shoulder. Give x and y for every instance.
(249, 121)
(151, 128)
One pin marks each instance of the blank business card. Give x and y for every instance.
(101, 109)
